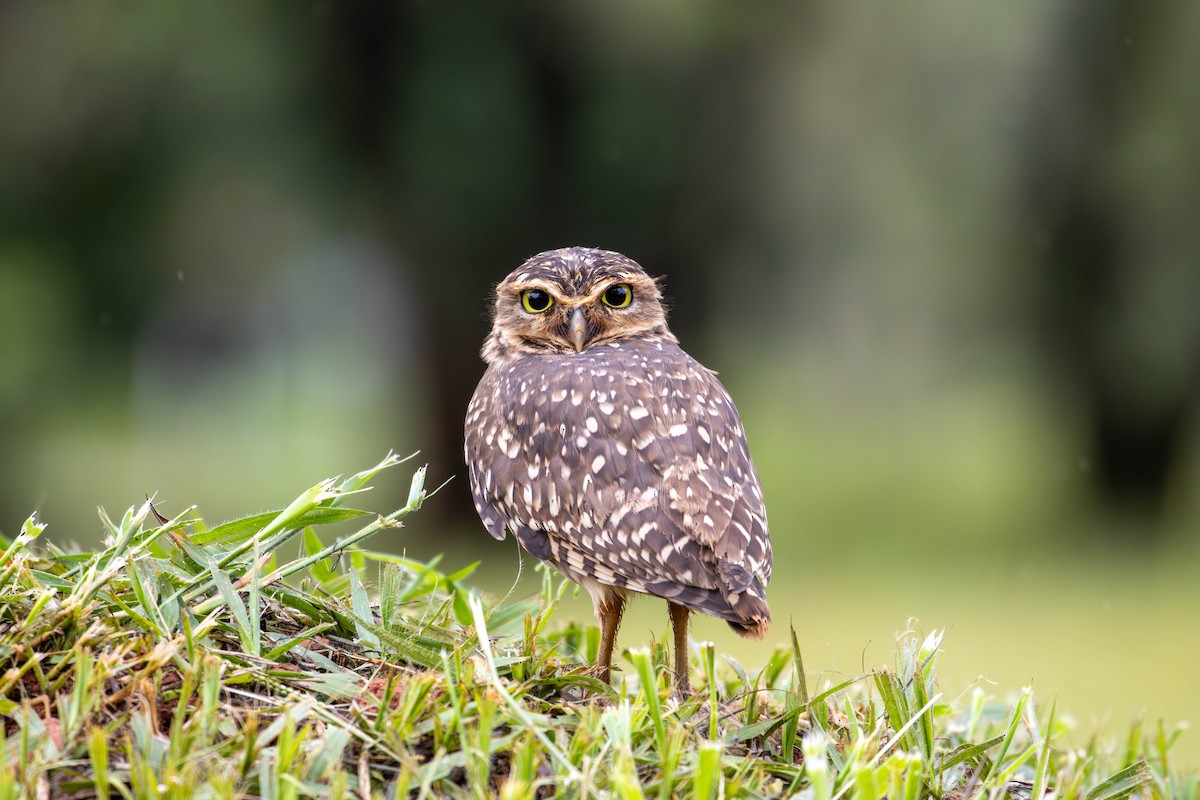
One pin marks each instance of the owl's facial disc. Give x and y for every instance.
(573, 300)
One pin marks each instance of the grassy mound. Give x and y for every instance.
(185, 661)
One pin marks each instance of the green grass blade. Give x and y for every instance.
(1123, 783)
(967, 752)
(364, 616)
(798, 667)
(1041, 775)
(1014, 724)
(237, 608)
(245, 528)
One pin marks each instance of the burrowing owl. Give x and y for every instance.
(612, 454)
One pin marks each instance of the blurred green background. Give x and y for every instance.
(944, 255)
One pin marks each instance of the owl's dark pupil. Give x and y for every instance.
(617, 295)
(537, 300)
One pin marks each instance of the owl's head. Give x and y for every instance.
(565, 301)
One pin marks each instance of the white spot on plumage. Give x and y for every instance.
(678, 430)
(638, 412)
(597, 463)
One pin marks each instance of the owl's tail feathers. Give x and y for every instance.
(753, 627)
(746, 596)
(740, 599)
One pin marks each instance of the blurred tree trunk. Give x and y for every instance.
(1116, 247)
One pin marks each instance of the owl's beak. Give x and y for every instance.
(578, 329)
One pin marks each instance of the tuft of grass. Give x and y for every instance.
(268, 657)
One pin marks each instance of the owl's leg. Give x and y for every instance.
(679, 626)
(609, 611)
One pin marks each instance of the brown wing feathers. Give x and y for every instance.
(644, 480)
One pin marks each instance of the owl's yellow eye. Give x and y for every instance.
(618, 295)
(535, 301)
